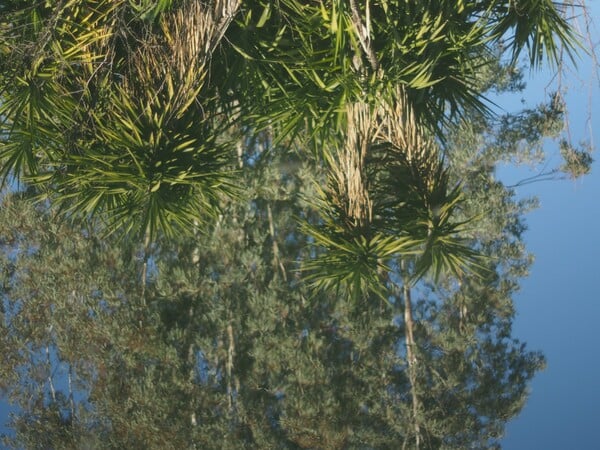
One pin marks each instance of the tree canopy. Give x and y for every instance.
(232, 224)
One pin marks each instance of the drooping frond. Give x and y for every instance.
(122, 120)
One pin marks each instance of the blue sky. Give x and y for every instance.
(558, 308)
(557, 312)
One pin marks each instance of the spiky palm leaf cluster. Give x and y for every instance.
(128, 109)
(114, 116)
(389, 197)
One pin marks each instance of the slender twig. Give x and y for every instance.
(71, 398)
(543, 176)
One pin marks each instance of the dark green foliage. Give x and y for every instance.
(231, 336)
(265, 224)
(577, 162)
(120, 108)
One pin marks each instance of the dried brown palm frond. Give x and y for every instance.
(415, 193)
(194, 31)
(410, 142)
(178, 58)
(348, 179)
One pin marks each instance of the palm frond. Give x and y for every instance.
(353, 265)
(540, 26)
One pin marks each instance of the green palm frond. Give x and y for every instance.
(117, 121)
(413, 197)
(125, 106)
(149, 10)
(148, 168)
(353, 265)
(445, 250)
(540, 26)
(39, 87)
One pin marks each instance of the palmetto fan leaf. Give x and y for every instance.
(388, 197)
(541, 26)
(117, 119)
(148, 168)
(414, 198)
(444, 250)
(38, 106)
(353, 265)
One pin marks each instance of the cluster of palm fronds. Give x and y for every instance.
(113, 115)
(388, 197)
(131, 111)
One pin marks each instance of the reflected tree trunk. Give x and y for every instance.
(411, 357)
(230, 355)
